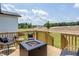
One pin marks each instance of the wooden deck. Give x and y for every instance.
(51, 51)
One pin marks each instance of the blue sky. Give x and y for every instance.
(40, 13)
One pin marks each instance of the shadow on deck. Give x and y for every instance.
(51, 51)
(65, 52)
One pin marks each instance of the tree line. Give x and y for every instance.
(25, 25)
(48, 24)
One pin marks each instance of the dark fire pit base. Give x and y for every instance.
(38, 50)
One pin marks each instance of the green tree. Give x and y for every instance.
(22, 25)
(47, 25)
(30, 25)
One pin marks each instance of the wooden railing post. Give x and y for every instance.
(62, 41)
(46, 37)
(36, 35)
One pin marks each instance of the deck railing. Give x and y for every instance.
(39, 35)
(70, 42)
(8, 34)
(45, 37)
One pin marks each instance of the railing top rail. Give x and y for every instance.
(7, 32)
(77, 34)
(73, 34)
(22, 31)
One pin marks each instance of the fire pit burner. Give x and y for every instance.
(32, 43)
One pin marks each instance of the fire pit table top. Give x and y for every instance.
(30, 45)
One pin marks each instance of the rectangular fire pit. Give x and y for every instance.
(32, 43)
(33, 48)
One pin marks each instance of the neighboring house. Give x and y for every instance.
(8, 21)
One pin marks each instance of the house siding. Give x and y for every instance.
(8, 23)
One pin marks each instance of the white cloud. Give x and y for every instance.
(11, 8)
(77, 19)
(22, 12)
(41, 15)
(39, 12)
(37, 16)
(24, 19)
(76, 5)
(8, 7)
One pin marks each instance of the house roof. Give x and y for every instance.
(10, 13)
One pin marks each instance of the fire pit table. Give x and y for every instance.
(33, 48)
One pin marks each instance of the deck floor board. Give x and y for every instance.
(51, 51)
